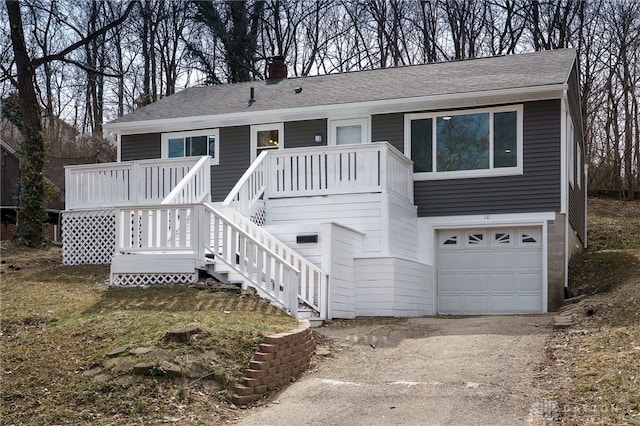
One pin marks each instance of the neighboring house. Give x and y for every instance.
(10, 170)
(449, 188)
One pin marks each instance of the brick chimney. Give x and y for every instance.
(276, 68)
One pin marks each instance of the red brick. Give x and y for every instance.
(262, 389)
(266, 348)
(255, 374)
(259, 365)
(243, 399)
(250, 382)
(274, 339)
(287, 372)
(276, 362)
(267, 380)
(261, 356)
(242, 390)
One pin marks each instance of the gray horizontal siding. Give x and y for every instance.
(300, 134)
(389, 128)
(537, 189)
(234, 160)
(140, 147)
(577, 206)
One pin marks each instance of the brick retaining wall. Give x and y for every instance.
(280, 358)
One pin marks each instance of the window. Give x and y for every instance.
(191, 144)
(570, 150)
(529, 237)
(448, 239)
(465, 143)
(347, 132)
(501, 239)
(475, 239)
(265, 137)
(579, 166)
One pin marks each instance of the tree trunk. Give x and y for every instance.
(32, 216)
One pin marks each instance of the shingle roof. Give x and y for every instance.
(529, 70)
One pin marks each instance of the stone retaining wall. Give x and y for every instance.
(280, 358)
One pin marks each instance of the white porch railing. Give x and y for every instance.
(345, 169)
(126, 183)
(303, 172)
(195, 187)
(157, 229)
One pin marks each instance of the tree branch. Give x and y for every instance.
(89, 69)
(61, 55)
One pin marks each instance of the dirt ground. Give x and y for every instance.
(418, 371)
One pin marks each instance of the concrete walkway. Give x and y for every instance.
(421, 371)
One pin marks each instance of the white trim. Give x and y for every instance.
(564, 191)
(118, 147)
(363, 122)
(460, 174)
(385, 106)
(567, 229)
(262, 127)
(428, 224)
(586, 205)
(164, 150)
(578, 166)
(545, 267)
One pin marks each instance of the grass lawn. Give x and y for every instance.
(595, 365)
(59, 323)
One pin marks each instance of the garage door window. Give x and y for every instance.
(476, 239)
(501, 239)
(529, 238)
(449, 240)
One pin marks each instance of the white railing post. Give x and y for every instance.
(383, 165)
(293, 279)
(134, 183)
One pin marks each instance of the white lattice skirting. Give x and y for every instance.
(137, 280)
(88, 237)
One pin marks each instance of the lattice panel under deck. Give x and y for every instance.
(88, 237)
(259, 214)
(137, 280)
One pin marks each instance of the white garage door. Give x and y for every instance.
(489, 271)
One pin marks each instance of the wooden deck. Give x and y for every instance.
(359, 198)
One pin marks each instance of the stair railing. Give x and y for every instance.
(266, 270)
(194, 187)
(245, 197)
(313, 283)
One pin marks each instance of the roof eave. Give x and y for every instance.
(387, 106)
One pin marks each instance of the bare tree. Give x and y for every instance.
(32, 217)
(236, 25)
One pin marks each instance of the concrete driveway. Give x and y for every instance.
(419, 371)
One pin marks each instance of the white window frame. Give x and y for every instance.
(579, 167)
(364, 122)
(215, 159)
(571, 143)
(461, 174)
(260, 128)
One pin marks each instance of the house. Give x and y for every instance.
(447, 188)
(10, 171)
